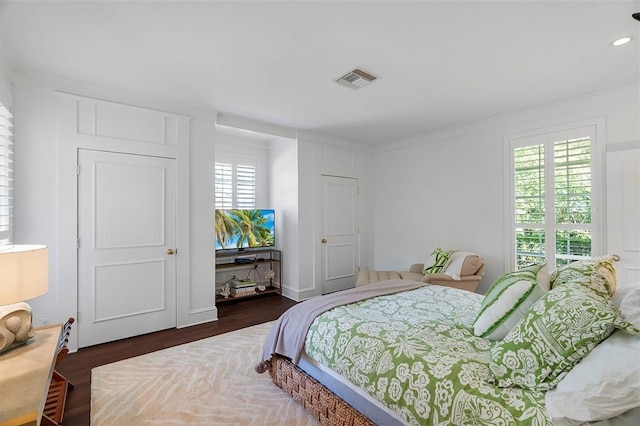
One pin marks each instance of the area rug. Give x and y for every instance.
(207, 382)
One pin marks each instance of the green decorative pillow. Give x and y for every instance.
(597, 273)
(558, 331)
(508, 300)
(436, 261)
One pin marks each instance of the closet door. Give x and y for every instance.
(340, 242)
(126, 256)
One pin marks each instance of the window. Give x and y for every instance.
(6, 176)
(235, 186)
(553, 197)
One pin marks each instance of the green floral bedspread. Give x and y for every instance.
(416, 353)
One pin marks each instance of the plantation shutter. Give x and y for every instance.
(572, 190)
(235, 186)
(529, 178)
(224, 186)
(552, 193)
(6, 176)
(245, 187)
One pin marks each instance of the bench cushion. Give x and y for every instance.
(366, 276)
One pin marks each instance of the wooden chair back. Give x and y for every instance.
(63, 350)
(57, 396)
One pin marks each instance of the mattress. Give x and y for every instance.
(354, 396)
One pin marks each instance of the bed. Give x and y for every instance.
(401, 352)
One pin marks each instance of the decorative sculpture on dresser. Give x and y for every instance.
(15, 326)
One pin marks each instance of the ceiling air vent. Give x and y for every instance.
(356, 79)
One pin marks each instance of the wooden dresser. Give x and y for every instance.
(25, 374)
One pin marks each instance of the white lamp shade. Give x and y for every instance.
(24, 273)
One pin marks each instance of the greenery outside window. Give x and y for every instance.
(552, 192)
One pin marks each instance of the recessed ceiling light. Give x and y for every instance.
(621, 41)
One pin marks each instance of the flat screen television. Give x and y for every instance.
(245, 229)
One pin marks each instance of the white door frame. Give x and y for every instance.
(70, 140)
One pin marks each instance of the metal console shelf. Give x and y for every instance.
(255, 270)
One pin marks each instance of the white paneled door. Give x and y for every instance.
(340, 235)
(126, 245)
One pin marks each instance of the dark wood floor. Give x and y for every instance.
(231, 316)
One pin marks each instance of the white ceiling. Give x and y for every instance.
(440, 63)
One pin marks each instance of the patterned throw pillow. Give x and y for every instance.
(558, 331)
(508, 300)
(597, 273)
(436, 261)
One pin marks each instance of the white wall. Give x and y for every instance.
(42, 185)
(230, 146)
(36, 191)
(447, 189)
(320, 155)
(296, 167)
(237, 135)
(201, 211)
(233, 145)
(283, 179)
(6, 96)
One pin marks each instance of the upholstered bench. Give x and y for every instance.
(366, 276)
(469, 276)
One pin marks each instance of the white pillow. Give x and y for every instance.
(606, 383)
(627, 299)
(508, 299)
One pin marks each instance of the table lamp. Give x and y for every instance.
(24, 274)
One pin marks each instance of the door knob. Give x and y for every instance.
(323, 241)
(171, 251)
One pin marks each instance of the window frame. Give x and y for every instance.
(595, 129)
(236, 160)
(7, 189)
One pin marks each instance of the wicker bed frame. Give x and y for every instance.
(323, 404)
